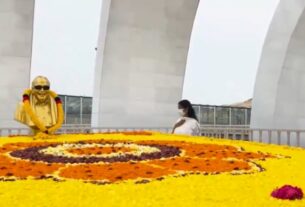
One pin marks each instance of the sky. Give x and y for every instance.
(225, 48)
(65, 37)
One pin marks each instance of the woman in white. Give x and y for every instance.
(187, 124)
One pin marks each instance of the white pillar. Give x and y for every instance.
(141, 60)
(279, 95)
(16, 26)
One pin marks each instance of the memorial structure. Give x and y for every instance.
(141, 61)
(140, 66)
(16, 26)
(279, 96)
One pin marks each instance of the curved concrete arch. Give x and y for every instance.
(279, 95)
(141, 60)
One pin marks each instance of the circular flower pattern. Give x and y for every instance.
(104, 161)
(63, 153)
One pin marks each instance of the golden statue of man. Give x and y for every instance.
(41, 108)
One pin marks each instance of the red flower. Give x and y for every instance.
(288, 192)
(58, 100)
(26, 97)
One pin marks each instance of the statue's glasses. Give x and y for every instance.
(45, 88)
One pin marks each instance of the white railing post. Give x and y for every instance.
(269, 136)
(288, 137)
(260, 135)
(279, 137)
(298, 139)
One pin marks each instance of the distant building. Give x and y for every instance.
(78, 111)
(245, 104)
(234, 114)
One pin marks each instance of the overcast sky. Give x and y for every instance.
(65, 35)
(224, 52)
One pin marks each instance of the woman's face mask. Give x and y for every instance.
(181, 112)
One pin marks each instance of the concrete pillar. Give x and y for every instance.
(279, 95)
(141, 60)
(16, 26)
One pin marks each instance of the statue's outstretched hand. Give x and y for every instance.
(43, 135)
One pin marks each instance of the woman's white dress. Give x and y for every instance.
(189, 127)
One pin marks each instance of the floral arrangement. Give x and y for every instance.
(103, 161)
(288, 192)
(145, 169)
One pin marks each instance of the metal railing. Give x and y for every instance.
(76, 129)
(86, 129)
(276, 136)
(231, 132)
(224, 126)
(279, 136)
(290, 137)
(14, 131)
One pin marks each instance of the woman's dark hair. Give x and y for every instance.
(185, 104)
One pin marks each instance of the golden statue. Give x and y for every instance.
(41, 108)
